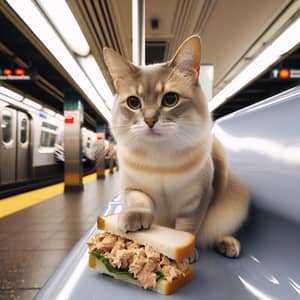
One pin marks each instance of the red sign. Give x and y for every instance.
(70, 116)
(100, 136)
(69, 120)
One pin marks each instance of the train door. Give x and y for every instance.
(8, 145)
(14, 149)
(22, 157)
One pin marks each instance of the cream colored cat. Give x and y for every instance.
(173, 171)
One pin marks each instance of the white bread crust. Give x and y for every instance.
(175, 244)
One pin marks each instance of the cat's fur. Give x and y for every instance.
(175, 173)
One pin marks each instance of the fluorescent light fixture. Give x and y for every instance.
(49, 111)
(138, 31)
(95, 75)
(11, 94)
(32, 104)
(284, 43)
(64, 21)
(35, 20)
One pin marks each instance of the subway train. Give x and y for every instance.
(31, 151)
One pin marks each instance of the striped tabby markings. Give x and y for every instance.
(197, 157)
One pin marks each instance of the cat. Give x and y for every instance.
(173, 172)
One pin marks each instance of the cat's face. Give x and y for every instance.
(159, 104)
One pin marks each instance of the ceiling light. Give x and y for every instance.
(95, 75)
(11, 94)
(288, 39)
(32, 104)
(138, 31)
(34, 19)
(284, 43)
(64, 21)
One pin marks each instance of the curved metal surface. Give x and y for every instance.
(268, 268)
(263, 147)
(262, 143)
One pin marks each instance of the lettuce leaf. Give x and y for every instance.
(159, 276)
(109, 267)
(114, 270)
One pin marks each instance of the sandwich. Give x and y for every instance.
(156, 258)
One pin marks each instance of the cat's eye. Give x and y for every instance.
(170, 99)
(134, 102)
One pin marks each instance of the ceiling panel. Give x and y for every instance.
(232, 29)
(165, 13)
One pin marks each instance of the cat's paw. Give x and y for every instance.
(194, 257)
(134, 219)
(229, 246)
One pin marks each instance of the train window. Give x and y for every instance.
(48, 135)
(6, 126)
(23, 130)
(49, 126)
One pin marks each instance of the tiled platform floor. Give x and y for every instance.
(34, 241)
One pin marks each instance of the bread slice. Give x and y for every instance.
(175, 244)
(163, 286)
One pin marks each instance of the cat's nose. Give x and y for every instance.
(151, 121)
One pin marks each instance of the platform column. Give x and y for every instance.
(100, 131)
(73, 112)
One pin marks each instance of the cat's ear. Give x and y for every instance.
(119, 68)
(186, 60)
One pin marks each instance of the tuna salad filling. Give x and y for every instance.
(142, 263)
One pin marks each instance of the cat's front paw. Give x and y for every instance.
(134, 219)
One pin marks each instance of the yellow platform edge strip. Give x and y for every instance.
(13, 204)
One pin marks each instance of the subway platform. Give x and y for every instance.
(35, 240)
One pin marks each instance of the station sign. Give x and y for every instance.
(70, 116)
(9, 74)
(285, 73)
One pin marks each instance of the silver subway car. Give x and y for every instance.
(27, 139)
